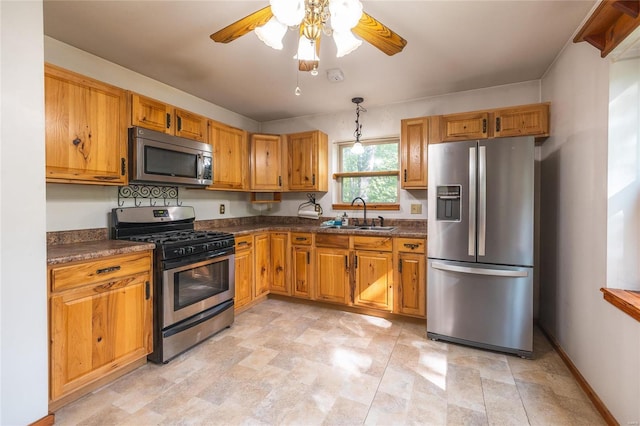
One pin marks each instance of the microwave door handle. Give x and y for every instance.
(200, 171)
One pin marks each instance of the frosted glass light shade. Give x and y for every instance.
(272, 33)
(306, 50)
(288, 12)
(346, 42)
(357, 148)
(345, 14)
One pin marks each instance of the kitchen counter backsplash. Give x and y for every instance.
(250, 222)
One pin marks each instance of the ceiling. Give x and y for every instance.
(452, 46)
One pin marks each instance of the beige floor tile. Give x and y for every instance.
(291, 363)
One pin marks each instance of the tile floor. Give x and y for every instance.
(290, 363)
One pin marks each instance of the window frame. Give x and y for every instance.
(337, 177)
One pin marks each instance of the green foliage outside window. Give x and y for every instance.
(377, 157)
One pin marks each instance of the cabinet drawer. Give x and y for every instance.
(106, 269)
(372, 243)
(337, 241)
(410, 245)
(244, 242)
(301, 238)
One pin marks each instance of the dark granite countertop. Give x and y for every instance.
(399, 231)
(63, 253)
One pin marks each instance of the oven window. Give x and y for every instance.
(200, 283)
(170, 163)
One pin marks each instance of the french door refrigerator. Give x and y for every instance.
(480, 243)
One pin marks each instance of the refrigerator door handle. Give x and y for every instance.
(482, 199)
(472, 202)
(479, 271)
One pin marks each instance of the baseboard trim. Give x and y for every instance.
(47, 420)
(591, 394)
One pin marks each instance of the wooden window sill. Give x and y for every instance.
(370, 207)
(627, 301)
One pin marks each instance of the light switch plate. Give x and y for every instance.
(416, 208)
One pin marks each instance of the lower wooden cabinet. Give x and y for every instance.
(278, 245)
(410, 290)
(262, 264)
(373, 280)
(302, 261)
(244, 271)
(100, 320)
(332, 275)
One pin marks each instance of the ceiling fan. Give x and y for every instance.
(337, 18)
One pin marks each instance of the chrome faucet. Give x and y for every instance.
(364, 205)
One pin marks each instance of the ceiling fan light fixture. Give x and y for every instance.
(272, 33)
(345, 14)
(357, 147)
(345, 42)
(288, 12)
(306, 50)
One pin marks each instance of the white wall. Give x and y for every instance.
(23, 305)
(86, 206)
(602, 341)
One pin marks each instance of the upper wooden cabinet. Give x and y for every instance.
(85, 129)
(155, 115)
(531, 120)
(413, 152)
(459, 127)
(521, 120)
(266, 163)
(307, 161)
(230, 157)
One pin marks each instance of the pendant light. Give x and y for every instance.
(357, 147)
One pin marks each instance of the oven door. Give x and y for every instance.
(190, 289)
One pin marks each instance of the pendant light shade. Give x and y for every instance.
(288, 12)
(345, 14)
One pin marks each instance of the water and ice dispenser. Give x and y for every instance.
(449, 203)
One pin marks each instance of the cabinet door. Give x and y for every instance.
(151, 114)
(279, 277)
(373, 279)
(96, 329)
(262, 265)
(522, 121)
(459, 127)
(85, 129)
(244, 274)
(307, 161)
(332, 275)
(411, 288)
(266, 163)
(191, 126)
(230, 159)
(413, 148)
(301, 273)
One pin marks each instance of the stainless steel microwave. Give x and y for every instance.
(159, 158)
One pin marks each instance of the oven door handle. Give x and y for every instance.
(197, 319)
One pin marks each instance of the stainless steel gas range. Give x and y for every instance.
(193, 275)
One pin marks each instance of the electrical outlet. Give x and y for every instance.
(223, 208)
(416, 208)
(317, 208)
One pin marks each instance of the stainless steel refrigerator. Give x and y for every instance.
(480, 243)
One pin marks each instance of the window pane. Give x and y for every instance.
(376, 157)
(374, 189)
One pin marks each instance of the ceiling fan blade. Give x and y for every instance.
(373, 31)
(243, 26)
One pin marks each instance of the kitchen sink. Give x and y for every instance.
(364, 228)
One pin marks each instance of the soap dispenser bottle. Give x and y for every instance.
(345, 219)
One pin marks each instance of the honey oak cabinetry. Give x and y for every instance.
(373, 272)
(244, 265)
(100, 321)
(156, 115)
(85, 129)
(414, 135)
(302, 260)
(307, 161)
(262, 270)
(279, 248)
(410, 290)
(465, 126)
(332, 268)
(230, 148)
(530, 120)
(266, 163)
